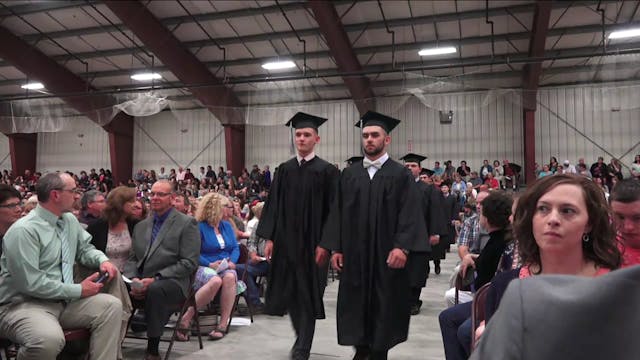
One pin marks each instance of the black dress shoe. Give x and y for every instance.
(362, 353)
(437, 269)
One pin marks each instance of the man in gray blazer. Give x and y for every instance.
(564, 317)
(166, 247)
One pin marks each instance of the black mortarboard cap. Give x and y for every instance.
(354, 159)
(302, 120)
(374, 118)
(410, 157)
(426, 171)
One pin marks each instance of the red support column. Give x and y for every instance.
(234, 141)
(529, 132)
(120, 131)
(22, 148)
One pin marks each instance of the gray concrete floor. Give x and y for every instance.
(271, 337)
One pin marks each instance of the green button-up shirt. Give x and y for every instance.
(30, 266)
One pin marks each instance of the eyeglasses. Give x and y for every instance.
(229, 206)
(158, 194)
(10, 206)
(74, 190)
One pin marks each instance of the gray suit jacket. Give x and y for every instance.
(173, 255)
(563, 317)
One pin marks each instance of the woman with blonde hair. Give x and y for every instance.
(219, 253)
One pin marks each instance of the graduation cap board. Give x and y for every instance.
(302, 120)
(373, 118)
(427, 172)
(414, 158)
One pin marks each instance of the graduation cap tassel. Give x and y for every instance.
(360, 140)
(293, 146)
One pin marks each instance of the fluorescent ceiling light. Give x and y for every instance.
(625, 34)
(146, 76)
(279, 65)
(33, 86)
(437, 51)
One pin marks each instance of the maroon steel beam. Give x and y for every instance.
(530, 81)
(59, 80)
(22, 148)
(341, 50)
(219, 99)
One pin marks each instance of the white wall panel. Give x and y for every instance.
(484, 126)
(5, 157)
(575, 122)
(188, 138)
(84, 148)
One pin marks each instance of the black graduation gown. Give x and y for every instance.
(369, 219)
(436, 225)
(293, 217)
(449, 211)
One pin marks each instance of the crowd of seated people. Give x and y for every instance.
(111, 214)
(562, 224)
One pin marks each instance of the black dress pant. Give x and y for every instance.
(303, 317)
(163, 298)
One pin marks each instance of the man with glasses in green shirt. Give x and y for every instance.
(38, 297)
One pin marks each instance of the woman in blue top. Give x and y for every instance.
(219, 253)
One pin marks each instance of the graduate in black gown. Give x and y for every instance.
(449, 210)
(376, 221)
(293, 219)
(418, 261)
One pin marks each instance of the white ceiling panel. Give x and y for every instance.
(10, 72)
(261, 49)
(103, 41)
(576, 15)
(77, 18)
(165, 9)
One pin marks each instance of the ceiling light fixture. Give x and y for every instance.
(279, 65)
(437, 51)
(146, 76)
(33, 86)
(625, 33)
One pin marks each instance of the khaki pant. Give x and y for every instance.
(37, 326)
(117, 288)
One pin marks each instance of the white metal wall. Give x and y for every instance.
(84, 148)
(5, 157)
(483, 128)
(188, 138)
(575, 122)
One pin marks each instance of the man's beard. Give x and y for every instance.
(375, 152)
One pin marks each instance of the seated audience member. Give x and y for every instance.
(219, 252)
(139, 210)
(165, 254)
(10, 210)
(257, 264)
(459, 189)
(182, 204)
(30, 204)
(625, 206)
(562, 317)
(553, 164)
(456, 331)
(475, 180)
(568, 168)
(92, 204)
(111, 234)
(562, 227)
(545, 171)
(498, 173)
(37, 294)
(485, 170)
(492, 182)
(635, 167)
(231, 214)
(470, 193)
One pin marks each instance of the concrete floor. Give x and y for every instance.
(271, 337)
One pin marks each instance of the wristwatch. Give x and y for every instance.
(405, 251)
(157, 277)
